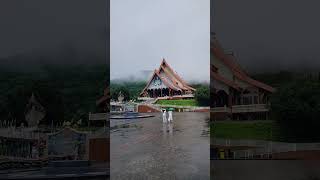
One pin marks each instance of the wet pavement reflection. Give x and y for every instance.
(149, 149)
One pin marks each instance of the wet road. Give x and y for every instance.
(265, 170)
(90, 173)
(149, 149)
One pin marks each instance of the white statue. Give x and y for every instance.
(164, 116)
(35, 112)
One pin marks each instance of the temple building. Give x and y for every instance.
(235, 95)
(103, 103)
(165, 82)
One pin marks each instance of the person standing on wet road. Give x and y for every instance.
(164, 116)
(170, 119)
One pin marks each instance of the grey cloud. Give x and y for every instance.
(143, 32)
(269, 35)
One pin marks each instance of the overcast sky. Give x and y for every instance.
(270, 35)
(38, 26)
(145, 31)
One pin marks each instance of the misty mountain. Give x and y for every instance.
(34, 61)
(141, 76)
(269, 35)
(38, 32)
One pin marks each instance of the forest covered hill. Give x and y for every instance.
(67, 92)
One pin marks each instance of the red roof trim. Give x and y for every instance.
(106, 96)
(216, 76)
(176, 75)
(101, 100)
(238, 72)
(166, 82)
(173, 78)
(172, 75)
(154, 72)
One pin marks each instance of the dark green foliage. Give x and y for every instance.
(115, 92)
(258, 130)
(179, 102)
(67, 93)
(130, 90)
(48, 95)
(277, 79)
(202, 95)
(296, 107)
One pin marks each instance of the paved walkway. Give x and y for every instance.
(58, 173)
(149, 148)
(94, 171)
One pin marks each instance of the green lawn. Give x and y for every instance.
(178, 102)
(259, 130)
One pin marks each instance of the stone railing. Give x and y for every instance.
(186, 108)
(224, 109)
(241, 108)
(98, 116)
(145, 98)
(250, 108)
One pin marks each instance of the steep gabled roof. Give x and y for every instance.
(148, 83)
(167, 83)
(173, 74)
(105, 97)
(231, 63)
(226, 81)
(169, 77)
(172, 77)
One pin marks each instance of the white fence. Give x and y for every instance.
(266, 147)
(250, 108)
(241, 108)
(99, 116)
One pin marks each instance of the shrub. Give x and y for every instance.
(202, 95)
(296, 107)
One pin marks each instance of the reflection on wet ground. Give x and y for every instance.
(149, 149)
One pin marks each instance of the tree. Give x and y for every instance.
(52, 100)
(116, 89)
(202, 95)
(296, 107)
(47, 95)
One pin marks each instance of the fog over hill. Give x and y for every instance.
(144, 76)
(269, 35)
(140, 76)
(37, 32)
(143, 32)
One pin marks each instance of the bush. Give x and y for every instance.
(48, 96)
(202, 95)
(296, 107)
(114, 92)
(130, 90)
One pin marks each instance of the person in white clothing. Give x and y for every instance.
(164, 116)
(170, 119)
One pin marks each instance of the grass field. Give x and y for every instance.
(259, 130)
(179, 102)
